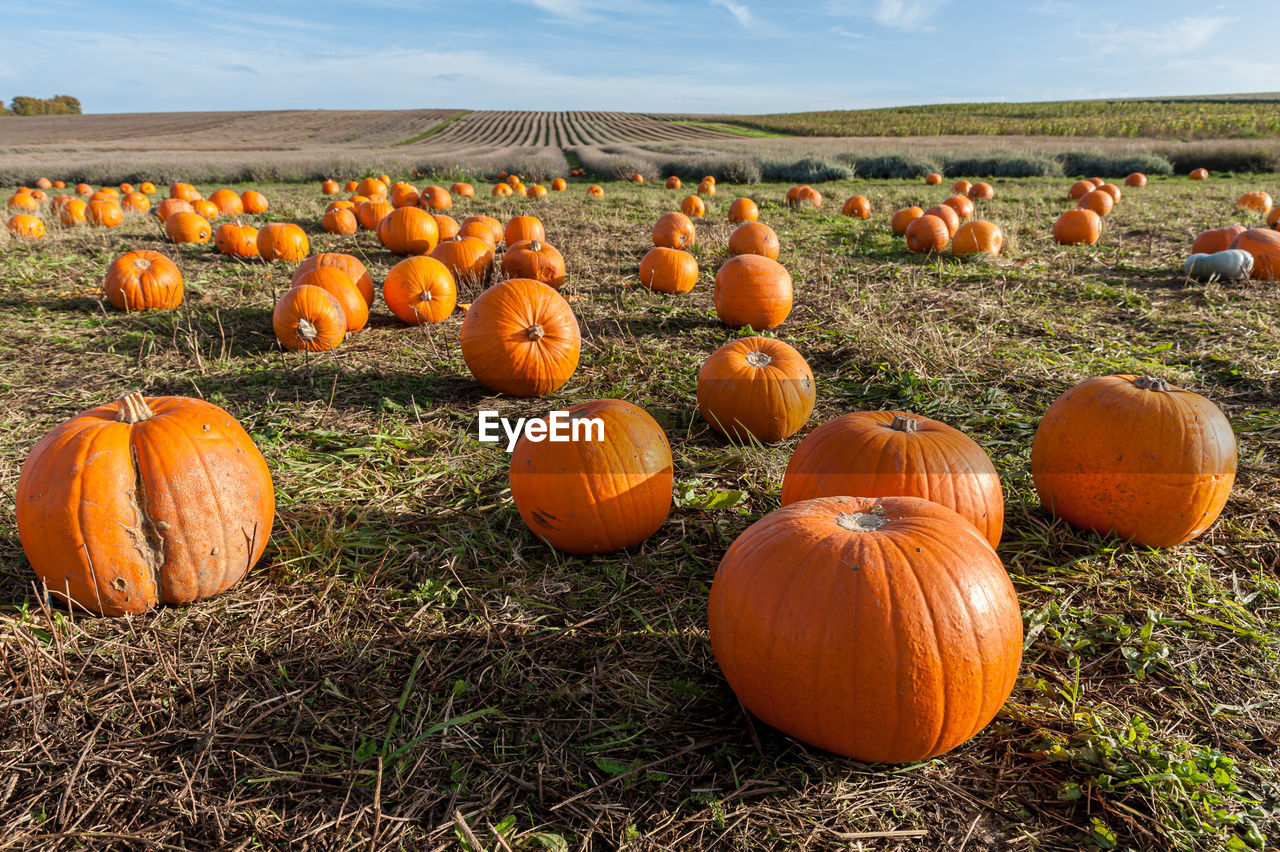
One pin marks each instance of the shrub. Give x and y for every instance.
(1224, 157)
(1087, 163)
(897, 166)
(56, 105)
(1004, 164)
(804, 170)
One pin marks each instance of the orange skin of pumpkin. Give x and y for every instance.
(84, 189)
(1080, 189)
(947, 214)
(933, 179)
(282, 241)
(693, 207)
(173, 205)
(1216, 239)
(1256, 202)
(756, 387)
(227, 202)
(1264, 245)
(752, 290)
(330, 187)
(961, 187)
(117, 517)
(1199, 174)
(420, 290)
(446, 225)
(147, 187)
(340, 221)
(520, 338)
(405, 195)
(500, 190)
(793, 194)
(236, 239)
(409, 230)
(136, 202)
(494, 226)
(674, 182)
(188, 228)
(207, 210)
(1112, 190)
(183, 192)
(1152, 465)
(1096, 181)
(309, 318)
(927, 234)
(537, 260)
(463, 190)
(902, 634)
(596, 496)
(668, 270)
(350, 186)
(876, 454)
(962, 205)
(479, 231)
(903, 218)
(537, 191)
(338, 284)
(468, 259)
(1098, 201)
(981, 189)
(595, 191)
(1078, 226)
(143, 280)
(105, 214)
(977, 237)
(674, 230)
(340, 204)
(523, 228)
(1137, 179)
(857, 206)
(435, 198)
(44, 183)
(370, 187)
(707, 188)
(73, 212)
(743, 210)
(349, 264)
(371, 212)
(27, 227)
(23, 201)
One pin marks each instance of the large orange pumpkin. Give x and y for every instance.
(474, 226)
(330, 187)
(500, 190)
(523, 228)
(1078, 227)
(927, 234)
(752, 290)
(405, 195)
(674, 230)
(105, 213)
(282, 241)
(895, 453)
(668, 270)
(371, 186)
(857, 206)
(254, 201)
(693, 207)
(370, 213)
(338, 283)
(607, 488)
(188, 228)
(135, 202)
(977, 237)
(947, 214)
(756, 387)
(982, 190)
(1264, 245)
(520, 338)
(309, 318)
(755, 238)
(420, 290)
(962, 205)
(73, 211)
(463, 190)
(1256, 202)
(540, 261)
(595, 191)
(173, 205)
(236, 239)
(1216, 239)
(447, 225)
(227, 202)
(743, 210)
(206, 210)
(25, 226)
(884, 629)
(961, 187)
(1080, 189)
(902, 219)
(20, 201)
(349, 264)
(166, 500)
(435, 198)
(1135, 455)
(1098, 201)
(409, 230)
(673, 182)
(468, 259)
(1136, 179)
(340, 221)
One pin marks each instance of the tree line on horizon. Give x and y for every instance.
(56, 105)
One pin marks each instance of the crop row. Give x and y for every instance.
(560, 129)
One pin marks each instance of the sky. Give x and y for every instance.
(732, 56)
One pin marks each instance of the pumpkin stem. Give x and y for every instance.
(141, 263)
(759, 359)
(862, 521)
(904, 424)
(535, 246)
(307, 330)
(133, 408)
(535, 332)
(1149, 383)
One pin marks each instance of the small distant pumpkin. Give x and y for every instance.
(330, 187)
(1099, 201)
(135, 202)
(1199, 174)
(982, 190)
(559, 185)
(1080, 189)
(463, 190)
(857, 207)
(707, 187)
(254, 201)
(595, 191)
(673, 182)
(674, 230)
(1255, 202)
(501, 190)
(105, 213)
(435, 198)
(933, 179)
(961, 187)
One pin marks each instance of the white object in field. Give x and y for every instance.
(1232, 265)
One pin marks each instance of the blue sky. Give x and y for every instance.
(655, 56)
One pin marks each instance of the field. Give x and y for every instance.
(409, 668)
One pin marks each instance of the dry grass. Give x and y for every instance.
(408, 668)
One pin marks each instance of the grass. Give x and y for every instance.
(408, 668)
(433, 130)
(734, 129)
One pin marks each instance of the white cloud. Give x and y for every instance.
(841, 31)
(905, 14)
(740, 13)
(1180, 36)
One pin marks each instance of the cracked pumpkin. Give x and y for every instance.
(144, 501)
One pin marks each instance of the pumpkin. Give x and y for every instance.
(183, 191)
(520, 338)
(349, 264)
(227, 202)
(39, 195)
(977, 237)
(948, 215)
(1199, 174)
(446, 225)
(927, 234)
(668, 270)
(143, 280)
(1080, 226)
(756, 387)
(409, 230)
(534, 259)
(962, 205)
(1229, 265)
(329, 187)
(370, 213)
(896, 453)
(340, 221)
(693, 207)
(338, 283)
(173, 205)
(536, 191)
(1135, 455)
(371, 186)
(254, 201)
(105, 213)
(405, 195)
(673, 182)
(933, 179)
(167, 500)
(637, 178)
(523, 228)
(72, 213)
(1256, 202)
(707, 187)
(1098, 201)
(1080, 189)
(351, 186)
(97, 196)
(809, 195)
(597, 493)
(674, 230)
(84, 189)
(961, 187)
(1112, 190)
(857, 206)
(483, 227)
(1264, 245)
(188, 228)
(309, 318)
(340, 204)
(282, 241)
(752, 290)
(236, 239)
(1273, 218)
(884, 629)
(595, 191)
(981, 189)
(25, 226)
(436, 198)
(23, 201)
(463, 190)
(1096, 181)
(709, 179)
(147, 187)
(754, 238)
(470, 259)
(793, 194)
(1216, 239)
(206, 210)
(500, 190)
(386, 179)
(420, 290)
(135, 202)
(559, 185)
(902, 219)
(57, 184)
(743, 210)
(44, 183)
